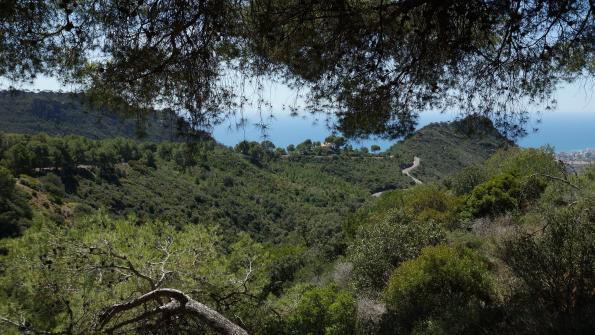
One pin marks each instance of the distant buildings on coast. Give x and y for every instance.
(578, 159)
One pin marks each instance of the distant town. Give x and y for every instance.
(578, 159)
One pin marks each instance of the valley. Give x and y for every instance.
(263, 228)
(291, 167)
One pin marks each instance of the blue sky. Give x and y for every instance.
(570, 126)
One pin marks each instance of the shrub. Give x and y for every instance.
(467, 179)
(421, 203)
(557, 268)
(7, 182)
(382, 245)
(524, 162)
(81, 210)
(495, 196)
(149, 159)
(530, 166)
(323, 310)
(429, 202)
(443, 291)
(15, 213)
(53, 184)
(287, 260)
(164, 150)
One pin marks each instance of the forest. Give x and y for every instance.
(121, 214)
(289, 241)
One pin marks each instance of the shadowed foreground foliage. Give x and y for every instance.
(371, 65)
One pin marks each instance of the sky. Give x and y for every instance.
(569, 126)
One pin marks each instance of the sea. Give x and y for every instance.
(564, 131)
(568, 127)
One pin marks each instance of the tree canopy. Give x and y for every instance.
(371, 65)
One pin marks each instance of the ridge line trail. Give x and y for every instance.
(407, 172)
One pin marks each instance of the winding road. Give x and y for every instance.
(407, 172)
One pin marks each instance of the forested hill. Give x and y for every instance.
(444, 148)
(447, 147)
(69, 114)
(304, 191)
(273, 193)
(300, 232)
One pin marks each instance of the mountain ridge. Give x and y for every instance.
(446, 147)
(57, 113)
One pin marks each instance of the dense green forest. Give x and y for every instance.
(290, 240)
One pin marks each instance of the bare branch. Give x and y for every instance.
(130, 266)
(554, 178)
(180, 304)
(24, 328)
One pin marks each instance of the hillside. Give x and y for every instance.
(444, 148)
(206, 184)
(273, 197)
(68, 114)
(447, 147)
(276, 238)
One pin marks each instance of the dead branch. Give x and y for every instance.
(180, 304)
(554, 178)
(25, 328)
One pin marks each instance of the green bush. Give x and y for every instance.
(421, 203)
(467, 179)
(556, 266)
(324, 310)
(524, 162)
(495, 196)
(382, 245)
(431, 203)
(444, 291)
(164, 150)
(530, 166)
(7, 182)
(15, 213)
(81, 210)
(53, 184)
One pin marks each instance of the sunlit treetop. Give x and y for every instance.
(370, 65)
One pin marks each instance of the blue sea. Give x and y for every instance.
(565, 131)
(569, 127)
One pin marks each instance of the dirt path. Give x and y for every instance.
(407, 172)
